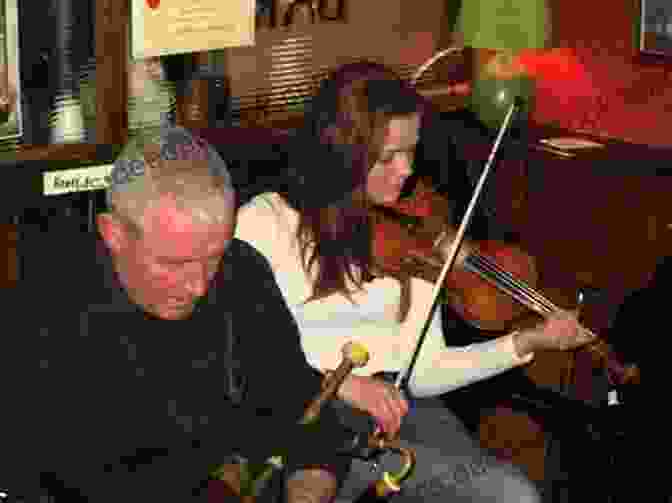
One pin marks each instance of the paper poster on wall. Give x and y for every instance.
(10, 87)
(162, 27)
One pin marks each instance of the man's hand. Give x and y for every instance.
(380, 399)
(561, 331)
(311, 486)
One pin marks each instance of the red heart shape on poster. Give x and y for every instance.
(153, 4)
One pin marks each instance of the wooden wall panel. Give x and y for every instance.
(606, 231)
(385, 31)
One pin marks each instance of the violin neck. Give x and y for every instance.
(535, 301)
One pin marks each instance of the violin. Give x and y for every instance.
(407, 238)
(492, 284)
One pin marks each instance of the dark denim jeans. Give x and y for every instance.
(451, 466)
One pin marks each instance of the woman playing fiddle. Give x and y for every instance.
(356, 150)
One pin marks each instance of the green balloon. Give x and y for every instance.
(491, 98)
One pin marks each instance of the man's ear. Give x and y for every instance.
(112, 231)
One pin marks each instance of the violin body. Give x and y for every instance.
(491, 283)
(482, 305)
(405, 246)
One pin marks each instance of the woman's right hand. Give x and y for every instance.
(381, 400)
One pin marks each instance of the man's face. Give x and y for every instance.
(170, 266)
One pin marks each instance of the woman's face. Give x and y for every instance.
(394, 165)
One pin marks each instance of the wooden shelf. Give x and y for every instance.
(77, 153)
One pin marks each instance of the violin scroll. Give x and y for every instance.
(618, 373)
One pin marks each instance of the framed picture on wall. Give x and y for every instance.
(10, 88)
(655, 29)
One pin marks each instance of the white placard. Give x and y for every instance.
(571, 143)
(76, 180)
(161, 27)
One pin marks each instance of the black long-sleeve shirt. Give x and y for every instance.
(112, 406)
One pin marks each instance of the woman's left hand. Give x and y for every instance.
(560, 332)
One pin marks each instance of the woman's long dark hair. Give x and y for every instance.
(341, 140)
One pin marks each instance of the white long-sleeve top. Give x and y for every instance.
(269, 224)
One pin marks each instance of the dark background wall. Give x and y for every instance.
(634, 98)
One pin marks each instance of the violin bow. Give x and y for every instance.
(404, 375)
